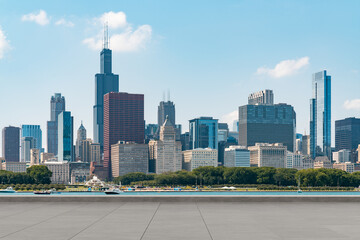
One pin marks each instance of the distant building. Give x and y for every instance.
(81, 136)
(199, 157)
(347, 136)
(34, 156)
(320, 115)
(95, 154)
(60, 172)
(345, 166)
(35, 132)
(322, 162)
(129, 157)
(44, 157)
(203, 133)
(14, 166)
(123, 121)
(27, 143)
(185, 141)
(262, 97)
(150, 132)
(267, 124)
(268, 155)
(65, 137)
(342, 156)
(166, 109)
(79, 172)
(295, 160)
(308, 162)
(85, 147)
(237, 156)
(11, 144)
(166, 152)
(57, 105)
(305, 145)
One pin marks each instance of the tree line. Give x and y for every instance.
(37, 174)
(246, 175)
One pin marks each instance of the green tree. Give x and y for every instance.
(40, 173)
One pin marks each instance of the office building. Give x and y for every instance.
(322, 162)
(57, 105)
(27, 143)
(295, 160)
(65, 137)
(305, 145)
(203, 133)
(262, 98)
(35, 132)
(127, 157)
(345, 166)
(123, 121)
(150, 132)
(11, 144)
(18, 167)
(320, 115)
(95, 153)
(105, 82)
(85, 147)
(200, 157)
(34, 156)
(165, 153)
(185, 141)
(60, 172)
(268, 155)
(81, 136)
(237, 156)
(166, 109)
(347, 134)
(267, 124)
(341, 156)
(45, 157)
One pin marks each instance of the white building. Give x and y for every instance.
(322, 162)
(341, 156)
(60, 172)
(268, 155)
(199, 157)
(294, 160)
(345, 166)
(27, 143)
(237, 156)
(14, 166)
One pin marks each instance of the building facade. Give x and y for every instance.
(262, 97)
(192, 159)
(95, 153)
(237, 156)
(18, 167)
(128, 158)
(320, 115)
(295, 160)
(57, 105)
(35, 132)
(345, 166)
(27, 143)
(60, 172)
(305, 145)
(347, 134)
(81, 136)
(267, 124)
(268, 155)
(342, 156)
(11, 144)
(203, 133)
(65, 137)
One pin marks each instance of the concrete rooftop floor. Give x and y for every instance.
(166, 221)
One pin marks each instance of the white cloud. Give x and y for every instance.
(124, 37)
(4, 44)
(40, 18)
(64, 22)
(230, 118)
(352, 104)
(284, 68)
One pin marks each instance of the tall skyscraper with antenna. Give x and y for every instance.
(105, 82)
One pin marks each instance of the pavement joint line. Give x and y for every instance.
(202, 217)
(150, 221)
(96, 221)
(30, 226)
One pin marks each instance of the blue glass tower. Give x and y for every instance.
(105, 82)
(203, 133)
(320, 115)
(57, 105)
(65, 137)
(35, 132)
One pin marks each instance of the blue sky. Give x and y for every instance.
(210, 54)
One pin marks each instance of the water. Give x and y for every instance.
(182, 193)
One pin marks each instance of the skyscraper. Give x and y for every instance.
(320, 115)
(262, 97)
(11, 144)
(33, 131)
(81, 136)
(65, 137)
(203, 133)
(347, 134)
(57, 105)
(105, 82)
(166, 109)
(267, 124)
(123, 121)
(27, 143)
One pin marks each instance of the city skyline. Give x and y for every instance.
(205, 75)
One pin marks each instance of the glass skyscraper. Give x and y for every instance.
(203, 133)
(57, 105)
(65, 137)
(320, 115)
(33, 131)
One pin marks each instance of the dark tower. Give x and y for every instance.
(105, 82)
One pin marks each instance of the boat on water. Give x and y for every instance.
(113, 191)
(54, 191)
(8, 190)
(42, 192)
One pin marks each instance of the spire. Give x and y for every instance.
(106, 36)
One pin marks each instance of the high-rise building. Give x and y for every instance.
(34, 156)
(166, 152)
(81, 136)
(203, 133)
(57, 105)
(294, 160)
(320, 115)
(237, 156)
(150, 132)
(35, 132)
(85, 146)
(11, 144)
(342, 156)
(95, 154)
(262, 97)
(305, 145)
(267, 124)
(166, 109)
(123, 121)
(105, 82)
(268, 155)
(347, 134)
(199, 157)
(127, 157)
(27, 143)
(65, 137)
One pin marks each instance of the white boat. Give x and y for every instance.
(8, 190)
(113, 191)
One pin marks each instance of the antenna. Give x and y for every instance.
(106, 36)
(168, 95)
